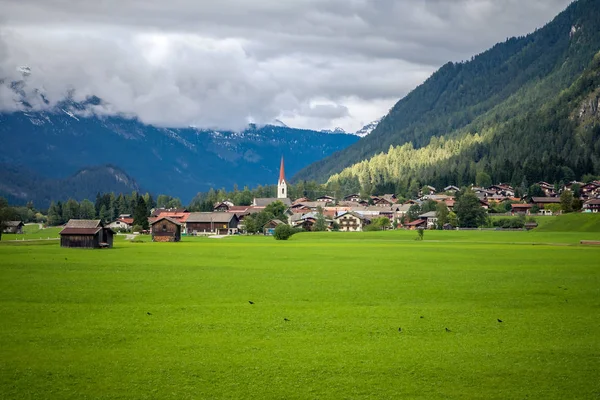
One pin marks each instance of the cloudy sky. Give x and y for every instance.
(311, 63)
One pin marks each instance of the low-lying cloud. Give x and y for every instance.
(312, 63)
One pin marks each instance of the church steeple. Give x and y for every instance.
(282, 184)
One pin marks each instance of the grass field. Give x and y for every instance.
(173, 320)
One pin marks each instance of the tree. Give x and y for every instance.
(6, 214)
(453, 219)
(576, 189)
(87, 210)
(429, 205)
(70, 210)
(442, 213)
(535, 190)
(103, 214)
(140, 214)
(283, 232)
(566, 201)
(483, 180)
(413, 212)
(55, 214)
(553, 208)
(277, 208)
(320, 224)
(469, 211)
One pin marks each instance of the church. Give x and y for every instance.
(282, 193)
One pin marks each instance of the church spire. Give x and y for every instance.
(281, 172)
(281, 185)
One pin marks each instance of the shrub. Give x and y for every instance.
(137, 228)
(283, 232)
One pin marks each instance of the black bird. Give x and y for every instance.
(250, 301)
(286, 320)
(399, 329)
(149, 313)
(422, 317)
(499, 320)
(65, 258)
(448, 330)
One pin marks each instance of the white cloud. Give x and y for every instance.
(312, 63)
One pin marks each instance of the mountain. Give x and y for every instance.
(51, 146)
(510, 113)
(367, 129)
(336, 130)
(20, 185)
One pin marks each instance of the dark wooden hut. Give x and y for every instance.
(221, 223)
(86, 234)
(13, 227)
(166, 229)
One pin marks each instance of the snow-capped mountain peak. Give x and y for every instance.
(336, 130)
(367, 129)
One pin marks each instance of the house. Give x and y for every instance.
(326, 199)
(382, 202)
(269, 228)
(547, 188)
(523, 209)
(87, 234)
(592, 205)
(451, 189)
(121, 224)
(166, 229)
(431, 218)
(591, 189)
(157, 211)
(13, 227)
(265, 201)
(220, 223)
(416, 224)
(429, 190)
(307, 221)
(543, 201)
(223, 206)
(353, 197)
(351, 222)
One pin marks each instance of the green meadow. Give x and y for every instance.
(335, 316)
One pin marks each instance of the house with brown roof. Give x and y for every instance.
(522, 209)
(269, 228)
(543, 201)
(592, 205)
(416, 224)
(86, 234)
(355, 197)
(121, 224)
(165, 229)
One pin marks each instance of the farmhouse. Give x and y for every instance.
(353, 197)
(122, 223)
(592, 205)
(13, 227)
(543, 201)
(430, 217)
(351, 222)
(220, 223)
(87, 234)
(165, 229)
(524, 209)
(416, 224)
(269, 228)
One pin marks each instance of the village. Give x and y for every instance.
(432, 209)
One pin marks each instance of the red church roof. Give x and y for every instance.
(281, 172)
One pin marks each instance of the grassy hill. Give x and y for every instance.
(522, 111)
(572, 223)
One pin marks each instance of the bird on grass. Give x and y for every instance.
(250, 301)
(499, 320)
(448, 330)
(399, 329)
(65, 258)
(286, 320)
(422, 317)
(149, 313)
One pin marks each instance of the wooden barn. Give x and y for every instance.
(165, 229)
(13, 227)
(86, 234)
(220, 223)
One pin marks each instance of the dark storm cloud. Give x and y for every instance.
(318, 63)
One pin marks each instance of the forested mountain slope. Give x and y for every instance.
(478, 112)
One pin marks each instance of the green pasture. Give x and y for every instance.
(335, 316)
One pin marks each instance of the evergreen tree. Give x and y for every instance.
(87, 210)
(55, 216)
(140, 214)
(469, 211)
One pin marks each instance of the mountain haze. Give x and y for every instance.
(505, 112)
